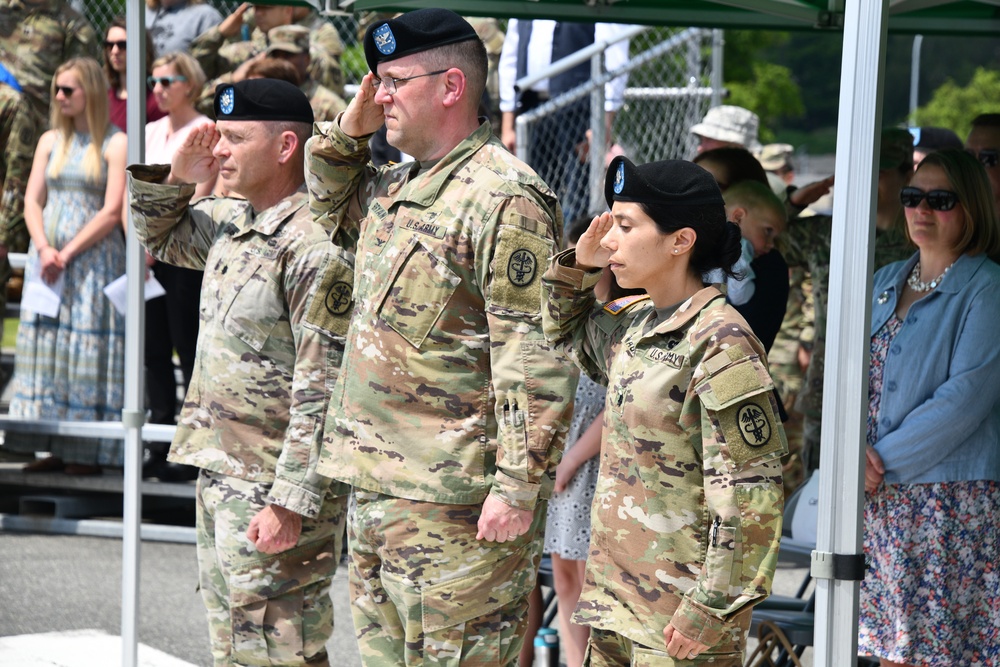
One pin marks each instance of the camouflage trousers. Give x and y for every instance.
(19, 132)
(425, 591)
(264, 609)
(610, 649)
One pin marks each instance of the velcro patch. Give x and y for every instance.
(749, 430)
(521, 258)
(331, 305)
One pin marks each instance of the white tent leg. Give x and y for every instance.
(845, 388)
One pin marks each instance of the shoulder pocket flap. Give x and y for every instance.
(729, 382)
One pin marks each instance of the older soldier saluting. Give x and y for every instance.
(274, 310)
(451, 409)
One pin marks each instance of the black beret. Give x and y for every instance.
(670, 183)
(414, 32)
(262, 99)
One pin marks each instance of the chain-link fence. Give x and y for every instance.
(668, 90)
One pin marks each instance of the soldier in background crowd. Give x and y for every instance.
(173, 24)
(275, 307)
(451, 409)
(806, 244)
(243, 35)
(291, 43)
(927, 140)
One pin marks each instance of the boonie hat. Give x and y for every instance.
(288, 39)
(413, 32)
(262, 99)
(775, 156)
(732, 124)
(896, 149)
(669, 183)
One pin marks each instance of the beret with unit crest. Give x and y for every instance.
(413, 32)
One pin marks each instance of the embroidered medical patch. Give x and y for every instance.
(522, 267)
(338, 298)
(748, 429)
(754, 426)
(330, 307)
(517, 267)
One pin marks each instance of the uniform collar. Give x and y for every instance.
(687, 310)
(424, 190)
(267, 221)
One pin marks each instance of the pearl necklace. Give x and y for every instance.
(917, 285)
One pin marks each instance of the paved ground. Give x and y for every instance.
(62, 604)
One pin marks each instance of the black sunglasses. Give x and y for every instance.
(164, 81)
(65, 90)
(122, 45)
(938, 200)
(988, 157)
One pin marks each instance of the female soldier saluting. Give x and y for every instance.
(687, 513)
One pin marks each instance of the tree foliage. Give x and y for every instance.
(954, 106)
(766, 88)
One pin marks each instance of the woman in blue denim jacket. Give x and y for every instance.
(932, 596)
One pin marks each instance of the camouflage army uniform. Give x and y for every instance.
(18, 127)
(274, 312)
(448, 393)
(219, 56)
(36, 37)
(806, 244)
(687, 513)
(325, 103)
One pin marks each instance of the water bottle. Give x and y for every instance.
(547, 648)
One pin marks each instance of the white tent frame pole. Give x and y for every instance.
(845, 388)
(134, 413)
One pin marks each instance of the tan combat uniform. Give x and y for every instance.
(448, 393)
(688, 508)
(275, 305)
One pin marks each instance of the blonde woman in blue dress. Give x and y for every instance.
(71, 366)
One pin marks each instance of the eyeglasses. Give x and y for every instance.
(164, 81)
(390, 82)
(65, 90)
(938, 200)
(122, 45)
(988, 157)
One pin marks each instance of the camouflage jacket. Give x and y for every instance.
(275, 304)
(325, 103)
(36, 37)
(219, 56)
(806, 244)
(687, 513)
(449, 391)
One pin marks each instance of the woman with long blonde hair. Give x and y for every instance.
(71, 366)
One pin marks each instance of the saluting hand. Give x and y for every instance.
(363, 115)
(194, 162)
(589, 252)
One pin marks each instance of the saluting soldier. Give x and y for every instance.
(451, 410)
(687, 512)
(275, 306)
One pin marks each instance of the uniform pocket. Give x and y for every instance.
(255, 309)
(486, 590)
(420, 286)
(723, 566)
(279, 606)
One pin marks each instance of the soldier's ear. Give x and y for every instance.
(290, 146)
